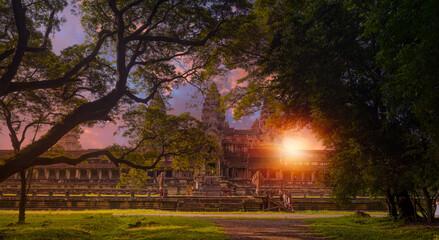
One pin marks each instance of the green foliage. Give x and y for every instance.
(156, 137)
(133, 50)
(345, 69)
(409, 55)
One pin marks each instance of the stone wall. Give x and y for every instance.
(183, 203)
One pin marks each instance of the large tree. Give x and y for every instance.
(319, 63)
(407, 35)
(149, 47)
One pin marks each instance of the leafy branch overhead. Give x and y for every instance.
(157, 138)
(134, 50)
(363, 76)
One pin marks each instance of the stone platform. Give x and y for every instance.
(214, 204)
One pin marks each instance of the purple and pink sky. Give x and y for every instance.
(103, 136)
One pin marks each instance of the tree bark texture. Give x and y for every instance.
(22, 206)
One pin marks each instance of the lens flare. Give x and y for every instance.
(293, 147)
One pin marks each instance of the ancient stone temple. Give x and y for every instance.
(246, 151)
(70, 142)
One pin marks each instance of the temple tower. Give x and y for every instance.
(70, 142)
(255, 126)
(213, 118)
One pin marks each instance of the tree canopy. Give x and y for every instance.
(179, 140)
(344, 69)
(134, 50)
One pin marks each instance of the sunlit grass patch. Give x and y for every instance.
(152, 211)
(331, 212)
(369, 228)
(107, 226)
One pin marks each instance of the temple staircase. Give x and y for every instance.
(275, 204)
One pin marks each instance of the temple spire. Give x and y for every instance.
(70, 142)
(211, 115)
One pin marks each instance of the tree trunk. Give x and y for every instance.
(391, 205)
(429, 202)
(405, 204)
(22, 206)
(91, 111)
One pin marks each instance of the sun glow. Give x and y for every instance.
(293, 146)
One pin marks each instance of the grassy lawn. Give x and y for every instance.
(370, 228)
(106, 226)
(151, 211)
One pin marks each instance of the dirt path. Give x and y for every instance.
(265, 229)
(255, 216)
(257, 226)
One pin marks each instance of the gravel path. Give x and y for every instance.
(256, 216)
(265, 229)
(240, 227)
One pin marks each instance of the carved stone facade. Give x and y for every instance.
(246, 151)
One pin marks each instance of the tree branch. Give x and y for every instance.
(9, 52)
(40, 161)
(129, 6)
(12, 134)
(6, 53)
(68, 76)
(149, 19)
(183, 42)
(23, 38)
(141, 100)
(156, 87)
(49, 25)
(165, 59)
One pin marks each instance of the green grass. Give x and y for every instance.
(151, 211)
(107, 226)
(101, 224)
(370, 228)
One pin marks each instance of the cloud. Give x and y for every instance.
(231, 81)
(100, 137)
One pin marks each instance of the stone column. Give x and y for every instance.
(303, 175)
(36, 174)
(313, 176)
(46, 173)
(281, 175)
(100, 174)
(67, 173)
(57, 174)
(268, 173)
(110, 174)
(88, 174)
(78, 173)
